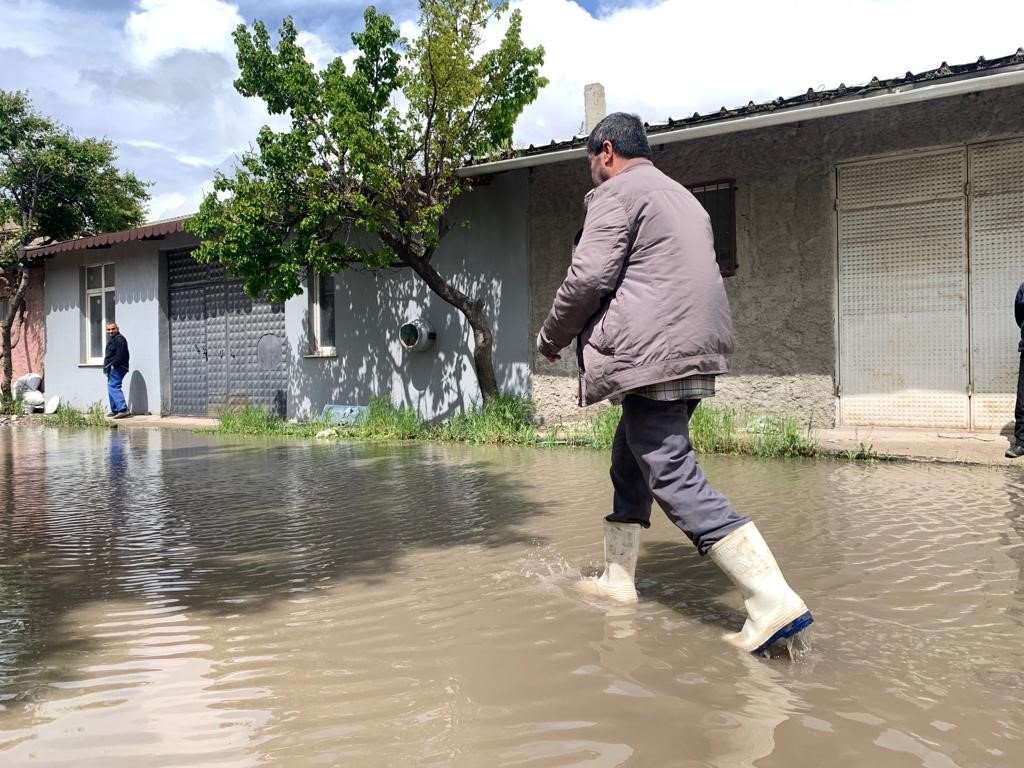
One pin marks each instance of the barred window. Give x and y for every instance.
(719, 200)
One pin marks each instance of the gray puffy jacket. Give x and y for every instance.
(643, 295)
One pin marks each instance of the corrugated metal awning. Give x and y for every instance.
(146, 232)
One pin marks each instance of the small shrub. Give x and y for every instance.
(11, 406)
(714, 429)
(67, 415)
(383, 420)
(505, 419)
(777, 436)
(257, 420)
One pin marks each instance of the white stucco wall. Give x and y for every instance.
(138, 311)
(487, 260)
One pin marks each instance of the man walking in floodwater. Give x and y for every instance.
(645, 301)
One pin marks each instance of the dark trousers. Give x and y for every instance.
(1018, 408)
(653, 460)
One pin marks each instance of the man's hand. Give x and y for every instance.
(542, 353)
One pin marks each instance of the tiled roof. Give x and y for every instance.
(148, 231)
(876, 87)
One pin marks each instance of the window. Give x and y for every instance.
(719, 200)
(4, 309)
(321, 313)
(99, 309)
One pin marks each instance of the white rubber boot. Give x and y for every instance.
(774, 610)
(621, 548)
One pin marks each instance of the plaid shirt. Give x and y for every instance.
(695, 387)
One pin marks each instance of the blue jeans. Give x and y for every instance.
(653, 460)
(114, 393)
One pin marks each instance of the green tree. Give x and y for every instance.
(354, 162)
(53, 186)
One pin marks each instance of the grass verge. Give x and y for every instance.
(508, 420)
(11, 406)
(67, 415)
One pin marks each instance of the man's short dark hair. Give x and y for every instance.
(626, 134)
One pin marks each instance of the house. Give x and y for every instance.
(29, 329)
(871, 239)
(199, 344)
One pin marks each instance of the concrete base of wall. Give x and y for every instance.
(808, 398)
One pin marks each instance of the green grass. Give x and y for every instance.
(862, 453)
(713, 429)
(722, 429)
(11, 406)
(383, 420)
(67, 415)
(256, 420)
(505, 419)
(509, 420)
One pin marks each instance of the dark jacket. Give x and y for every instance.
(116, 355)
(644, 294)
(1018, 315)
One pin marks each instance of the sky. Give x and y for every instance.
(155, 76)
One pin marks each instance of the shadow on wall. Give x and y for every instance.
(371, 307)
(138, 393)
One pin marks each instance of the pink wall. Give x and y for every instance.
(28, 355)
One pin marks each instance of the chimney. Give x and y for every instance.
(593, 106)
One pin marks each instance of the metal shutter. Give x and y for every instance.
(997, 268)
(903, 292)
(187, 313)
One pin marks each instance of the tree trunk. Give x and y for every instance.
(6, 344)
(473, 310)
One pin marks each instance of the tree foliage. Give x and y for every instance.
(371, 151)
(53, 186)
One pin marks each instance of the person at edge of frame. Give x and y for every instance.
(1016, 449)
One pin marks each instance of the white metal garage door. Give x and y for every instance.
(903, 333)
(997, 268)
(928, 266)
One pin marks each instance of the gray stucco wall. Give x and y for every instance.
(486, 260)
(138, 286)
(783, 296)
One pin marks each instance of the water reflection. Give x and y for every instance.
(173, 599)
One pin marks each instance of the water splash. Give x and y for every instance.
(794, 648)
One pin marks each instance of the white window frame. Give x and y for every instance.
(317, 347)
(102, 292)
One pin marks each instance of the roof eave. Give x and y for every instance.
(910, 93)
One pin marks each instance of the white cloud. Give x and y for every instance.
(168, 205)
(162, 88)
(163, 27)
(678, 57)
(319, 52)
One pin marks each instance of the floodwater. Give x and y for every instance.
(169, 599)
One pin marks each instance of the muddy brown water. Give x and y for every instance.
(169, 599)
